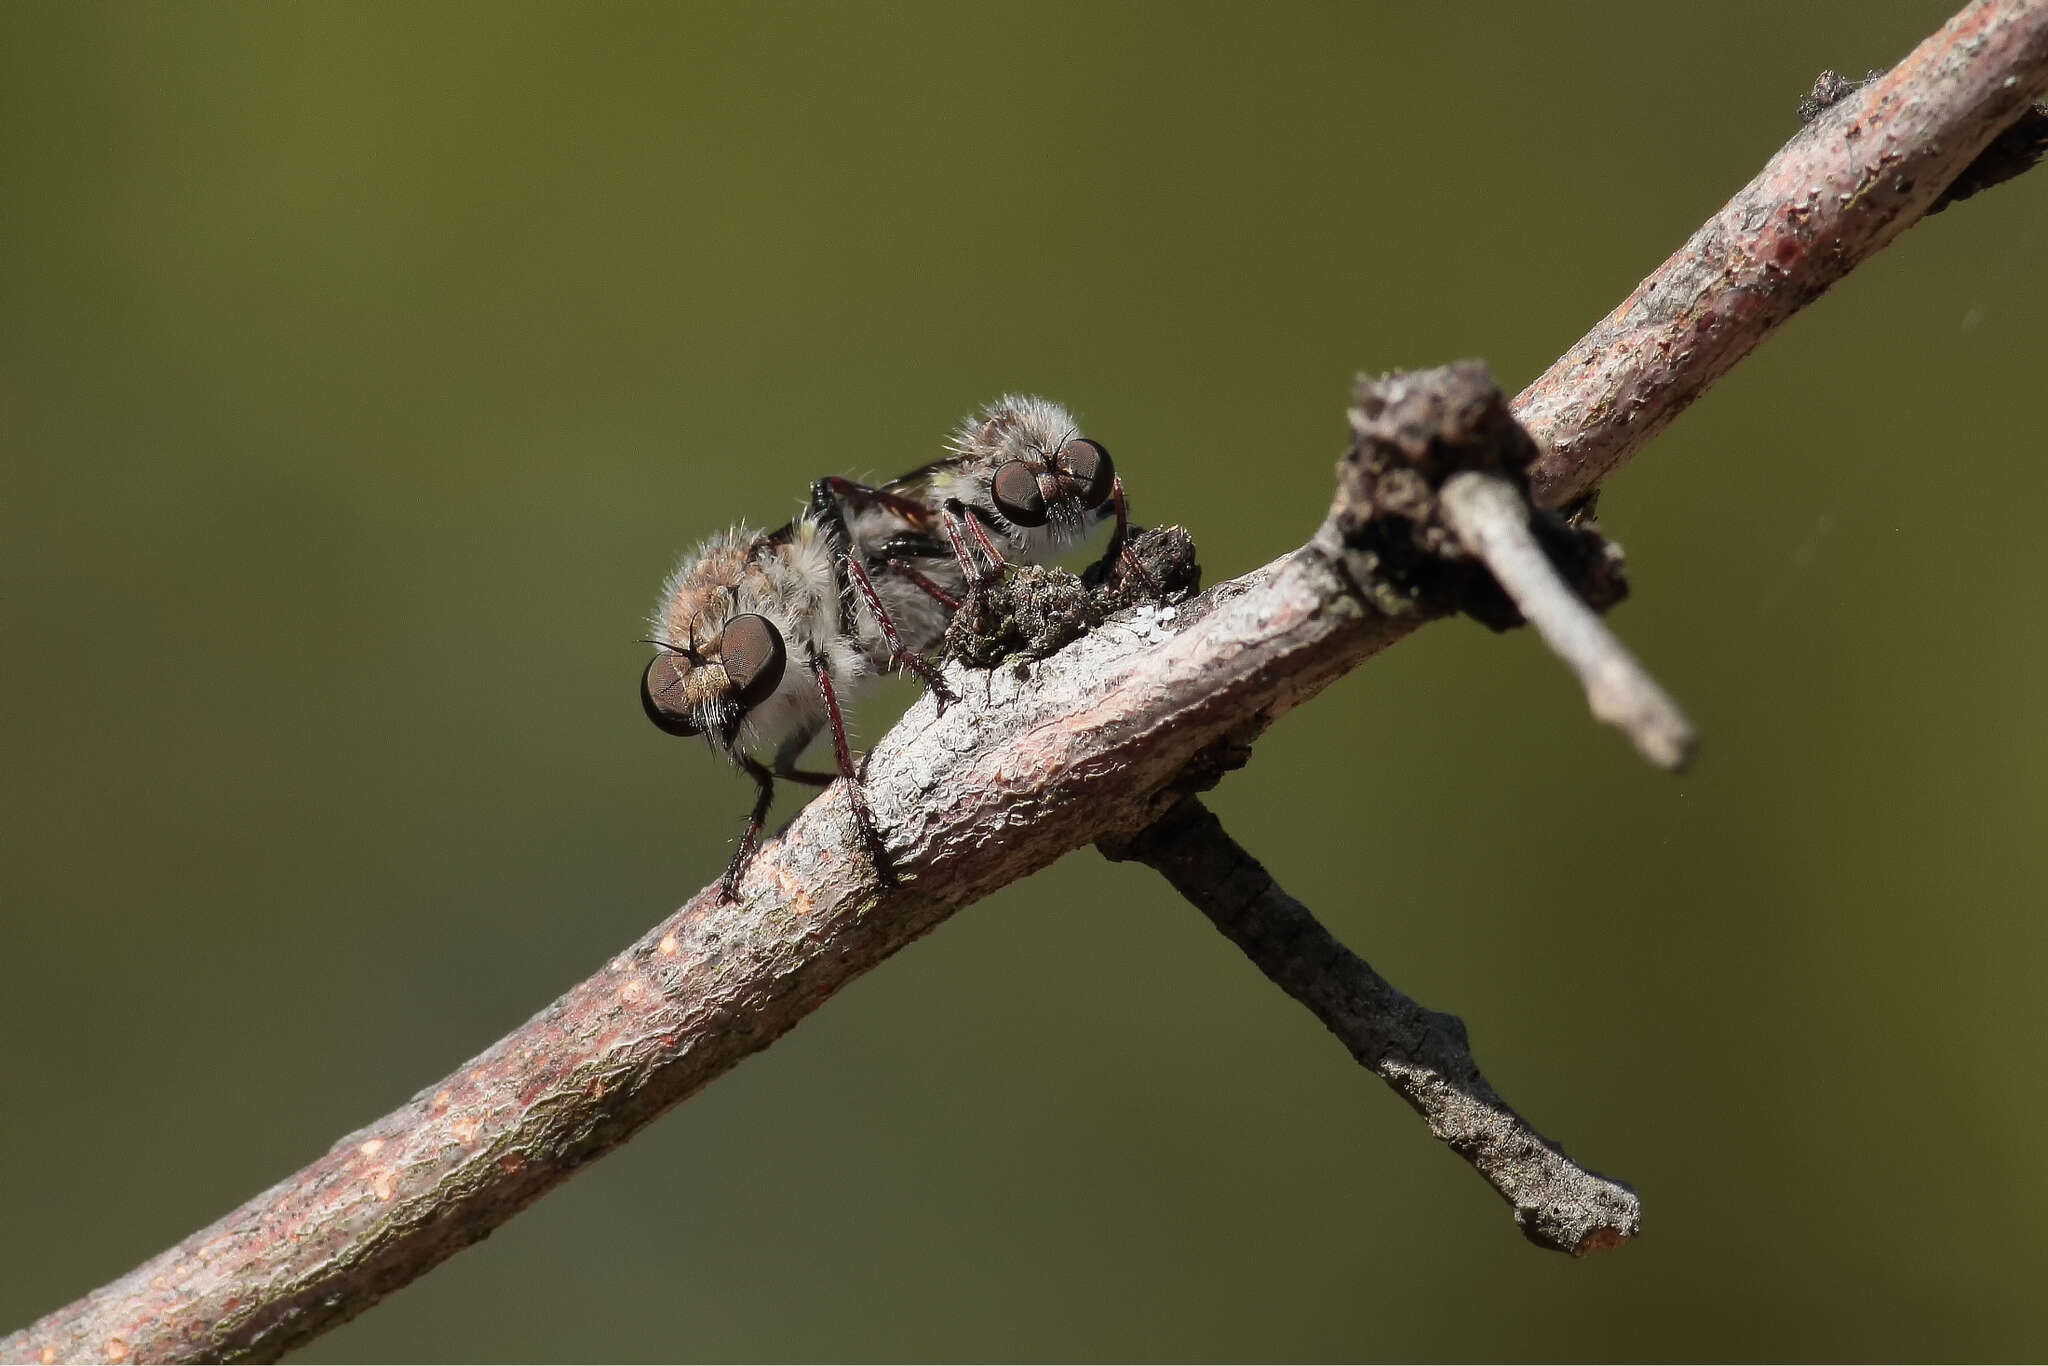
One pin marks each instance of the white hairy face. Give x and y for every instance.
(1025, 465)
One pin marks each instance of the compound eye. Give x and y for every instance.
(1087, 464)
(1016, 493)
(753, 657)
(663, 697)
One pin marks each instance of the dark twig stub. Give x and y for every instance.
(1410, 433)
(2015, 151)
(1423, 1054)
(1432, 515)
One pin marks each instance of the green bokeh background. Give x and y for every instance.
(363, 370)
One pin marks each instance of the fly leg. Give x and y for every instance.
(786, 756)
(896, 554)
(1119, 546)
(729, 885)
(920, 581)
(959, 523)
(900, 656)
(862, 817)
(827, 497)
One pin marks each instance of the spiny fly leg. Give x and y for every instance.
(920, 581)
(899, 655)
(896, 554)
(1119, 546)
(862, 816)
(960, 522)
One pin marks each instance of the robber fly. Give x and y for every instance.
(1020, 478)
(863, 581)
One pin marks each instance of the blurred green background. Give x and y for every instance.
(364, 369)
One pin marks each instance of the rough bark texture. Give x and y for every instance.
(1043, 759)
(1863, 171)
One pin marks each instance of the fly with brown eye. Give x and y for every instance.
(761, 633)
(1021, 483)
(732, 620)
(863, 582)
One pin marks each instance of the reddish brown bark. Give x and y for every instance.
(1860, 174)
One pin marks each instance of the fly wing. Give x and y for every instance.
(920, 485)
(903, 519)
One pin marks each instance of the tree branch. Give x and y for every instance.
(1091, 741)
(1423, 1054)
(1857, 176)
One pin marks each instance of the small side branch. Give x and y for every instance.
(1492, 522)
(1423, 1054)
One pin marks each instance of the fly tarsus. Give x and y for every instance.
(729, 885)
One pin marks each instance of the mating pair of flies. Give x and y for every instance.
(864, 581)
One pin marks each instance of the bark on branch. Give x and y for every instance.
(1860, 173)
(1092, 741)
